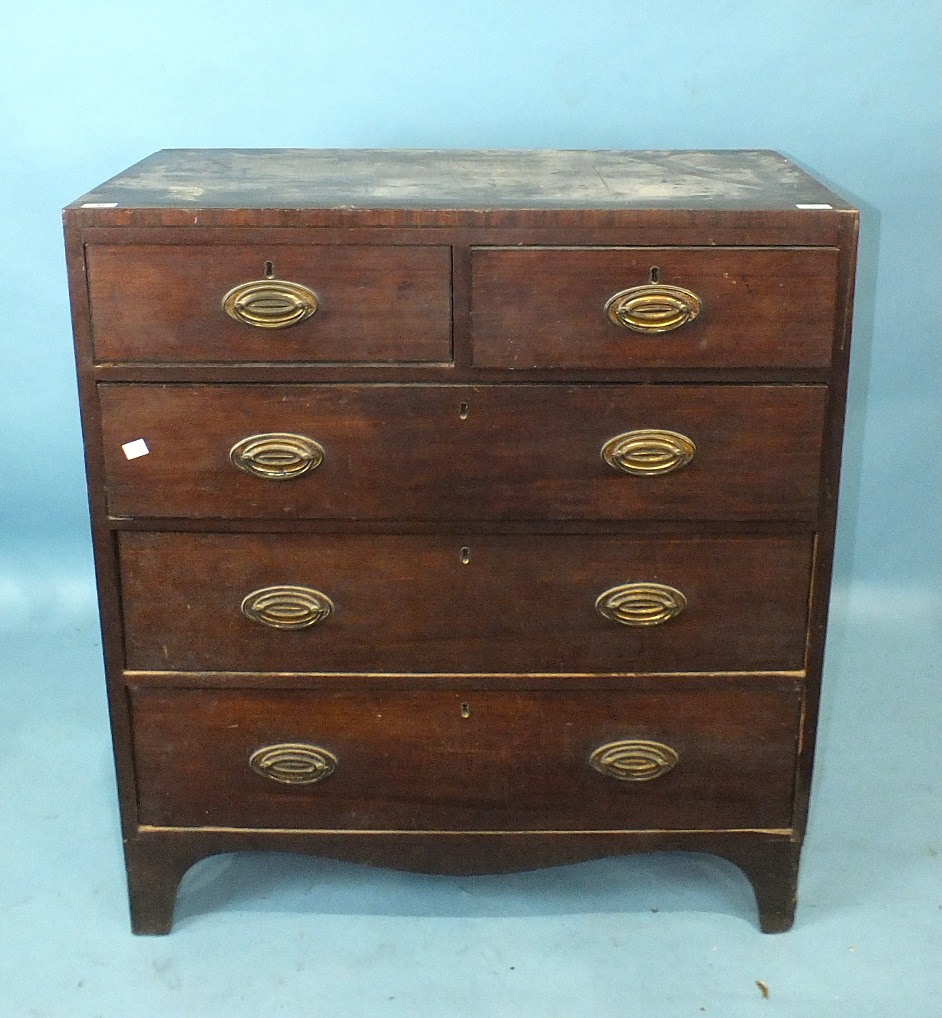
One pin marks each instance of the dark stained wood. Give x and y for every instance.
(408, 603)
(155, 868)
(544, 307)
(561, 682)
(158, 858)
(460, 528)
(830, 482)
(449, 374)
(106, 563)
(772, 870)
(657, 227)
(495, 227)
(518, 452)
(412, 761)
(164, 303)
(764, 382)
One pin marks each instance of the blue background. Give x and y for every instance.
(846, 88)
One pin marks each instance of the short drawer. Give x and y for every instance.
(546, 307)
(165, 303)
(460, 603)
(439, 452)
(433, 760)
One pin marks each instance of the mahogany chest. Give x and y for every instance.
(462, 511)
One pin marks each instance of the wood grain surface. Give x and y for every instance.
(413, 761)
(544, 307)
(164, 303)
(409, 602)
(414, 452)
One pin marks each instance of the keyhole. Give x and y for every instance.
(463, 411)
(466, 710)
(655, 273)
(465, 556)
(269, 270)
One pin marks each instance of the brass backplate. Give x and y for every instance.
(277, 456)
(270, 303)
(287, 607)
(641, 604)
(293, 763)
(653, 307)
(634, 760)
(648, 452)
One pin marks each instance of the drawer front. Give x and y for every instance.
(434, 760)
(750, 307)
(466, 452)
(479, 603)
(164, 303)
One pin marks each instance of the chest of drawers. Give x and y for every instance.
(462, 511)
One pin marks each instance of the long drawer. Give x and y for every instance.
(481, 603)
(433, 760)
(448, 452)
(542, 307)
(324, 303)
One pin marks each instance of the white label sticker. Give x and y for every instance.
(136, 448)
(100, 205)
(814, 206)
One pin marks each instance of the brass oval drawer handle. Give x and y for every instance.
(634, 760)
(270, 303)
(287, 607)
(641, 604)
(652, 308)
(648, 452)
(293, 763)
(277, 456)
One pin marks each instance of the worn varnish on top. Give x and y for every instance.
(461, 179)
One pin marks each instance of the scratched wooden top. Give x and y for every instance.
(460, 179)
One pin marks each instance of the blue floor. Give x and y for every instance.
(656, 936)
